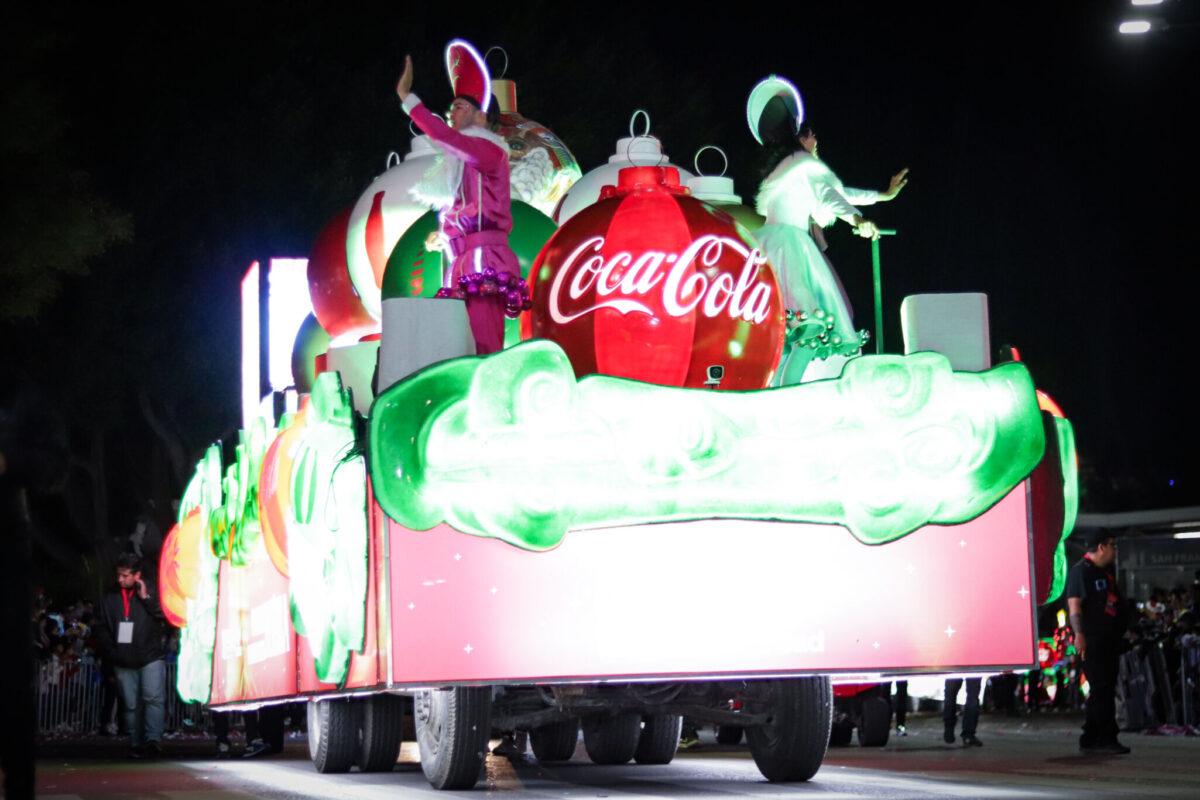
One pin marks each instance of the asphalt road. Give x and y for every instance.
(1023, 758)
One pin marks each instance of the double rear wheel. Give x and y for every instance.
(363, 730)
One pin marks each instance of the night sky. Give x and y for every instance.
(1051, 167)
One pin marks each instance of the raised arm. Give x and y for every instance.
(866, 197)
(480, 153)
(827, 190)
(898, 182)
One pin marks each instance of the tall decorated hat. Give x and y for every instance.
(468, 73)
(774, 110)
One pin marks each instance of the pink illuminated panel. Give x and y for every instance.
(760, 597)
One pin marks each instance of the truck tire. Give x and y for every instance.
(332, 734)
(379, 737)
(875, 723)
(453, 726)
(791, 744)
(659, 739)
(556, 741)
(729, 734)
(612, 740)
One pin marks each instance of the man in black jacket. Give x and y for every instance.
(131, 639)
(1098, 616)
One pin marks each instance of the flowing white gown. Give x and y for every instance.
(801, 188)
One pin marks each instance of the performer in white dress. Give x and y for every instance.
(799, 192)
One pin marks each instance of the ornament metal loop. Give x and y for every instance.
(633, 121)
(413, 130)
(503, 52)
(392, 160)
(633, 137)
(696, 160)
(632, 141)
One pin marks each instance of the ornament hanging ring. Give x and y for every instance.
(503, 52)
(392, 160)
(633, 121)
(649, 138)
(696, 160)
(413, 130)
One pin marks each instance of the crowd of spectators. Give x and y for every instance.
(1164, 664)
(64, 644)
(1169, 617)
(62, 638)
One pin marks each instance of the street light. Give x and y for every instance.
(1134, 26)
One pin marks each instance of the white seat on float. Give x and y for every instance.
(953, 324)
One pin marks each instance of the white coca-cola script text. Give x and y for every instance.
(620, 281)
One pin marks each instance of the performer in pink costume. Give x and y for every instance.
(470, 187)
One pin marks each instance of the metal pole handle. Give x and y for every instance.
(878, 281)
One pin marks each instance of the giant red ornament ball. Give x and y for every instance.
(336, 303)
(651, 284)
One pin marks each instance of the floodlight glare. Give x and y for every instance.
(1134, 26)
(1147, 2)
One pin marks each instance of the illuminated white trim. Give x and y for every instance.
(251, 345)
(288, 304)
(487, 77)
(784, 83)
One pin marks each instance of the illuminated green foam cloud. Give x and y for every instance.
(327, 540)
(1070, 472)
(512, 446)
(327, 537)
(197, 639)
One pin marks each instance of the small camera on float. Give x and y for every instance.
(715, 373)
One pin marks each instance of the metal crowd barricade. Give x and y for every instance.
(1189, 684)
(71, 698)
(1164, 697)
(1153, 694)
(1136, 690)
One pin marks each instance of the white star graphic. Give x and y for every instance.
(911, 569)
(949, 631)
(962, 543)
(494, 590)
(468, 649)
(876, 645)
(458, 556)
(1024, 592)
(411, 606)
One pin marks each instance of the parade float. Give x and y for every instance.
(502, 543)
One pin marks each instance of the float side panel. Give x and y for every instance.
(712, 597)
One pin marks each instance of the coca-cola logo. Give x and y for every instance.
(619, 281)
